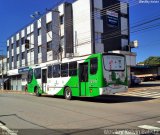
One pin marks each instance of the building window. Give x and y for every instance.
(7, 60)
(17, 57)
(22, 40)
(39, 31)
(62, 19)
(23, 55)
(32, 50)
(7, 48)
(0, 68)
(12, 46)
(29, 35)
(49, 46)
(49, 26)
(17, 43)
(12, 58)
(39, 49)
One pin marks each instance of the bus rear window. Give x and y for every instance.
(114, 62)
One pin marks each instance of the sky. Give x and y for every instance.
(15, 14)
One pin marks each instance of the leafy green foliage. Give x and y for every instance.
(152, 61)
(140, 63)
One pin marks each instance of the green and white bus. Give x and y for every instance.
(92, 75)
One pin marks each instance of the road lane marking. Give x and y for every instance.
(156, 100)
(157, 96)
(150, 94)
(4, 128)
(149, 127)
(144, 93)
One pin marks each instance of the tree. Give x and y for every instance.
(140, 63)
(153, 60)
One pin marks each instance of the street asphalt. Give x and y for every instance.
(26, 114)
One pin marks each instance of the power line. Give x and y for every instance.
(145, 28)
(114, 7)
(109, 7)
(88, 41)
(114, 35)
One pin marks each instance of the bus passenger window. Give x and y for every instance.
(49, 71)
(73, 69)
(37, 73)
(56, 71)
(93, 66)
(64, 70)
(30, 75)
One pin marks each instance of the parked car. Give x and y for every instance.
(135, 80)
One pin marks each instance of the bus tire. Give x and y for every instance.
(37, 92)
(68, 93)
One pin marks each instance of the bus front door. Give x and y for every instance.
(83, 78)
(44, 80)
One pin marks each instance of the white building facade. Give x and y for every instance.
(79, 28)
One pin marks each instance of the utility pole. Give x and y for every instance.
(30, 45)
(2, 74)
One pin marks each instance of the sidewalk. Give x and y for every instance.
(13, 91)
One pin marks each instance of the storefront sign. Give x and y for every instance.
(112, 19)
(23, 70)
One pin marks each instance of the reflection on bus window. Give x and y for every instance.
(37, 73)
(73, 69)
(30, 75)
(49, 71)
(64, 70)
(56, 71)
(94, 66)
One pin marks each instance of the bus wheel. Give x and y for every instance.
(37, 92)
(68, 93)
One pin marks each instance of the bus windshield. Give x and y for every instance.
(114, 62)
(30, 75)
